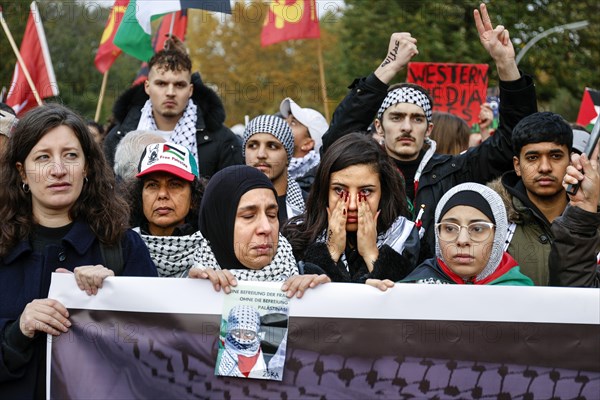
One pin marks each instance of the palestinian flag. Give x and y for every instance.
(174, 151)
(134, 36)
(589, 108)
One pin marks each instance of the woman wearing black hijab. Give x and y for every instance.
(238, 217)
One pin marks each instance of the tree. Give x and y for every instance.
(250, 79)
(446, 33)
(563, 63)
(73, 31)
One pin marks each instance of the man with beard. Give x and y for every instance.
(404, 112)
(533, 193)
(269, 146)
(176, 104)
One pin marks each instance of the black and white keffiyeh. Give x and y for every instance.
(276, 126)
(281, 268)
(185, 131)
(395, 236)
(299, 166)
(246, 318)
(294, 199)
(406, 95)
(174, 255)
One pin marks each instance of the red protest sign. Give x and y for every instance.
(455, 88)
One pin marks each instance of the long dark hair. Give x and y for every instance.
(352, 149)
(98, 204)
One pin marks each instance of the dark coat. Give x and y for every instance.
(573, 254)
(442, 172)
(218, 146)
(389, 265)
(25, 276)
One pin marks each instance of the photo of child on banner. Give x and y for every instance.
(253, 334)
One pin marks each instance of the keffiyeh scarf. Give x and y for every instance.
(293, 198)
(281, 268)
(185, 130)
(174, 255)
(300, 166)
(395, 237)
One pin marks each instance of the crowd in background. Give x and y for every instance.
(389, 191)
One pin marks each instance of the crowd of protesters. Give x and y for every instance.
(171, 192)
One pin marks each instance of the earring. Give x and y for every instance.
(25, 188)
(85, 179)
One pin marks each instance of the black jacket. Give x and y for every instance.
(442, 172)
(572, 260)
(390, 264)
(25, 275)
(218, 146)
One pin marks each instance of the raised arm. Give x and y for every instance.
(573, 255)
(401, 49)
(517, 100)
(497, 43)
(358, 109)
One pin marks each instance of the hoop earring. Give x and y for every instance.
(25, 188)
(85, 179)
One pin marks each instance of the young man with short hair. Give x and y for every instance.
(404, 118)
(308, 127)
(175, 103)
(533, 191)
(269, 146)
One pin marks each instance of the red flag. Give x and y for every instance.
(179, 29)
(107, 51)
(158, 42)
(35, 54)
(290, 19)
(589, 108)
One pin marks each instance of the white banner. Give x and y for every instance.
(158, 337)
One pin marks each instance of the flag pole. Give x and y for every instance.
(323, 84)
(20, 59)
(101, 97)
(172, 23)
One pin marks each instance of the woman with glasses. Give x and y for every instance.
(470, 232)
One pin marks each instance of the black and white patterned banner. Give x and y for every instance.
(158, 338)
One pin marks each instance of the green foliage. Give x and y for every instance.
(567, 60)
(253, 80)
(73, 31)
(562, 64)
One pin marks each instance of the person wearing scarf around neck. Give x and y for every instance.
(242, 356)
(238, 219)
(470, 231)
(164, 201)
(269, 146)
(59, 212)
(355, 226)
